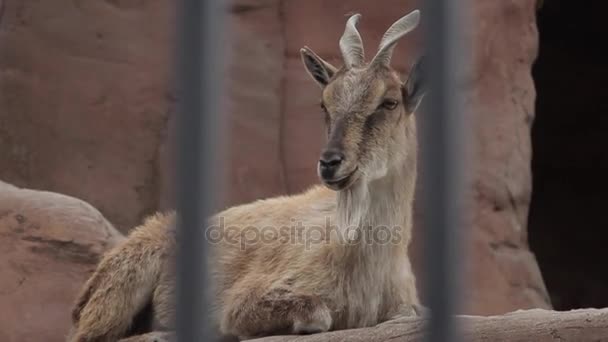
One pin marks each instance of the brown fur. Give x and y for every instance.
(317, 268)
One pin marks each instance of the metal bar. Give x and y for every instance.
(442, 173)
(199, 28)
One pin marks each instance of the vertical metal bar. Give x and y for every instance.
(442, 163)
(199, 28)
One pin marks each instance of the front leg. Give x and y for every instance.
(277, 311)
(409, 310)
(405, 295)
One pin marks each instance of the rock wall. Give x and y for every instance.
(86, 109)
(84, 100)
(501, 271)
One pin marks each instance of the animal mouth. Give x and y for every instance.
(343, 182)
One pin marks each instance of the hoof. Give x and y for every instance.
(319, 321)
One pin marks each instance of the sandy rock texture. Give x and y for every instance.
(50, 243)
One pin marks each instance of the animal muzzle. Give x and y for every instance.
(334, 171)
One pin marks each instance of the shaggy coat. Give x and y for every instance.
(333, 257)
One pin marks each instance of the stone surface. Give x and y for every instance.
(520, 326)
(50, 243)
(87, 111)
(253, 101)
(501, 272)
(251, 144)
(84, 98)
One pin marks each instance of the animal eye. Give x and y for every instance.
(389, 104)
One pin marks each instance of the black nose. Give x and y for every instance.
(330, 162)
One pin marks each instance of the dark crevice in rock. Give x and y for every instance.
(1, 11)
(244, 8)
(63, 250)
(567, 220)
(283, 99)
(499, 245)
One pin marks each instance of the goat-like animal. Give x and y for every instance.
(333, 257)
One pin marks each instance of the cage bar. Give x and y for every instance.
(199, 33)
(442, 163)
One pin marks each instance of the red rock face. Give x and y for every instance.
(87, 111)
(84, 98)
(501, 95)
(50, 244)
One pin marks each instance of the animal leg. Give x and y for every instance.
(406, 302)
(276, 311)
(413, 310)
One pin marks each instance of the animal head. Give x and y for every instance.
(368, 109)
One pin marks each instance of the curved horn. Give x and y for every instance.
(400, 28)
(351, 44)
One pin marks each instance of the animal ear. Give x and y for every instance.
(317, 68)
(416, 86)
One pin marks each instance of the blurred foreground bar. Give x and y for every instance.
(442, 162)
(200, 24)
